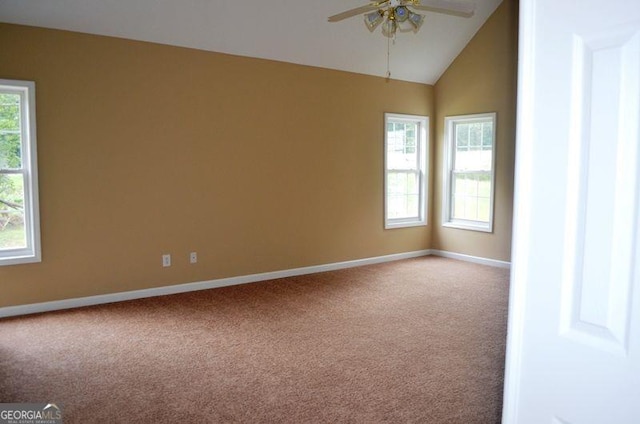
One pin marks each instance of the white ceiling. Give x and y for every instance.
(294, 31)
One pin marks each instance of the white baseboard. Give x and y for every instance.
(469, 258)
(34, 308)
(79, 302)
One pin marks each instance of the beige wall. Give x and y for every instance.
(482, 79)
(147, 149)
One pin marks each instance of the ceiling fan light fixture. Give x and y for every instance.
(416, 20)
(401, 13)
(373, 19)
(389, 28)
(406, 26)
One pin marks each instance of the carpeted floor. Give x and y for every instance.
(414, 341)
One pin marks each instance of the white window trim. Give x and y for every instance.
(423, 154)
(32, 253)
(447, 220)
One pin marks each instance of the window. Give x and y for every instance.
(406, 149)
(19, 221)
(469, 165)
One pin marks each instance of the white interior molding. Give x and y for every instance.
(79, 302)
(469, 258)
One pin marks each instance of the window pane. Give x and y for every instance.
(471, 196)
(403, 206)
(12, 229)
(484, 186)
(458, 191)
(473, 147)
(403, 195)
(458, 207)
(462, 135)
(402, 152)
(471, 208)
(401, 182)
(487, 134)
(475, 135)
(10, 131)
(471, 185)
(466, 158)
(483, 209)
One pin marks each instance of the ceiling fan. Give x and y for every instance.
(400, 14)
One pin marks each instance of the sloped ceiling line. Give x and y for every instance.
(291, 31)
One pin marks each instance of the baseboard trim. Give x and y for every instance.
(56, 305)
(469, 258)
(79, 302)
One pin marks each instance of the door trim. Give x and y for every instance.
(522, 206)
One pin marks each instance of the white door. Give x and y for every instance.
(573, 352)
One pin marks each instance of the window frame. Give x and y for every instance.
(422, 146)
(449, 154)
(29, 170)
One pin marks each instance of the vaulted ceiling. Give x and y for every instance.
(294, 31)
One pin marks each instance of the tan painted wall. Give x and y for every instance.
(482, 79)
(147, 149)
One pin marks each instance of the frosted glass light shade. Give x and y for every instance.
(416, 20)
(389, 28)
(373, 19)
(401, 13)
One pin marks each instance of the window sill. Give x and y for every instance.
(19, 259)
(469, 225)
(404, 224)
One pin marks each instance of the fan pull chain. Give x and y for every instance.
(388, 55)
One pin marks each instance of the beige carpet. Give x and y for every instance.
(414, 341)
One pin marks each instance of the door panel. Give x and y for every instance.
(602, 187)
(573, 354)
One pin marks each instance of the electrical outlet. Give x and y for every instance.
(166, 260)
(193, 257)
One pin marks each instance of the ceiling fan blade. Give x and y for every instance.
(356, 11)
(449, 7)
